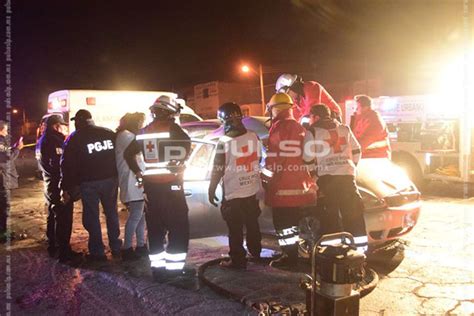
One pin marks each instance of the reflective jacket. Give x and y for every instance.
(314, 93)
(372, 134)
(289, 184)
(331, 148)
(165, 147)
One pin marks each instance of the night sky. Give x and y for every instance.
(163, 45)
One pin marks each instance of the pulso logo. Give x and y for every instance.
(99, 146)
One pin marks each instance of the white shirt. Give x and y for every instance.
(241, 177)
(332, 151)
(128, 190)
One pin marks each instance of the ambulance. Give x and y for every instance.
(430, 138)
(108, 106)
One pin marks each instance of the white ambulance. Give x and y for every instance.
(108, 106)
(430, 138)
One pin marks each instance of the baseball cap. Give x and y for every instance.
(82, 115)
(54, 119)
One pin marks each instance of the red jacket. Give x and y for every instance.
(372, 134)
(314, 93)
(291, 184)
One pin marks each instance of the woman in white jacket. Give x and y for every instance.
(130, 194)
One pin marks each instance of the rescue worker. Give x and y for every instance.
(370, 130)
(165, 147)
(59, 221)
(290, 187)
(305, 94)
(8, 177)
(237, 164)
(333, 153)
(88, 161)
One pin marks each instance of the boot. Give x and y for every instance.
(288, 260)
(230, 264)
(129, 254)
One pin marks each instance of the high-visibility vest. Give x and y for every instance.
(241, 177)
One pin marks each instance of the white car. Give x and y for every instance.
(392, 202)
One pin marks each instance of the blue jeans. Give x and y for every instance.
(135, 224)
(105, 192)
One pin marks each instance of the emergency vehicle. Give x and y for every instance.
(108, 106)
(431, 139)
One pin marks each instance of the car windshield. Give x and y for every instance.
(200, 161)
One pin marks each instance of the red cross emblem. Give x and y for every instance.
(246, 160)
(150, 146)
(335, 141)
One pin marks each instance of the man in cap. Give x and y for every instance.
(59, 222)
(165, 147)
(88, 161)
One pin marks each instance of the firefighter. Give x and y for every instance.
(237, 164)
(88, 162)
(370, 130)
(59, 221)
(305, 94)
(290, 188)
(165, 147)
(333, 153)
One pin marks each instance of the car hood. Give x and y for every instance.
(383, 177)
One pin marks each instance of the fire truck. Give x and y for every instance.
(430, 138)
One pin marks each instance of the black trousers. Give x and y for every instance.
(240, 213)
(167, 216)
(343, 205)
(59, 221)
(286, 221)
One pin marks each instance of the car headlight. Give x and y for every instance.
(370, 200)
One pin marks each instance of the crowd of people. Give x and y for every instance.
(303, 168)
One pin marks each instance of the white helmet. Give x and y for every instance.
(166, 103)
(284, 82)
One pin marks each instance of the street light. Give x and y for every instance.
(247, 69)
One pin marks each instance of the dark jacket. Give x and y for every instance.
(89, 155)
(176, 138)
(50, 148)
(7, 164)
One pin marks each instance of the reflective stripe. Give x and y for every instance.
(288, 241)
(379, 144)
(156, 171)
(157, 256)
(156, 164)
(267, 173)
(292, 192)
(174, 265)
(176, 256)
(158, 263)
(153, 136)
(288, 231)
(361, 239)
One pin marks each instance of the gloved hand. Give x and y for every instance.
(212, 197)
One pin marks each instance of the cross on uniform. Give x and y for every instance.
(335, 141)
(247, 160)
(150, 146)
